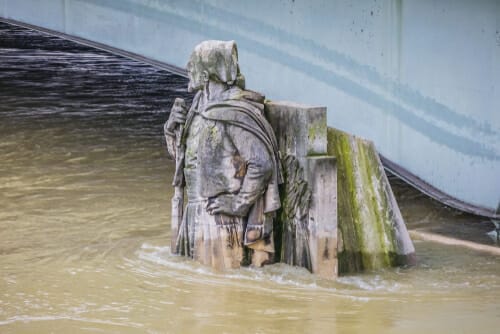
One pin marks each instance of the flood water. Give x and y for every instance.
(84, 223)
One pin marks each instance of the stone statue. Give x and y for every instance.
(227, 160)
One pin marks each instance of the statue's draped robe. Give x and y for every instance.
(228, 149)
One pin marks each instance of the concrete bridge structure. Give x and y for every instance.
(419, 78)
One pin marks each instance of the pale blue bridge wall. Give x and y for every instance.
(420, 78)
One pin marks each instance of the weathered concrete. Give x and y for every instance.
(372, 233)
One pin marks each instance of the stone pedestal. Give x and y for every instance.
(307, 226)
(321, 176)
(301, 130)
(372, 232)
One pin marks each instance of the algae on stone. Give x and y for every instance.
(371, 230)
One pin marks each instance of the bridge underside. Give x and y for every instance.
(420, 79)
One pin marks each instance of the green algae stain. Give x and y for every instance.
(317, 130)
(363, 209)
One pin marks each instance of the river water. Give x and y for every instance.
(84, 223)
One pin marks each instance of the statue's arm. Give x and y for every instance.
(173, 127)
(254, 165)
(171, 141)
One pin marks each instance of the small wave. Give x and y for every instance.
(277, 278)
(28, 319)
(370, 283)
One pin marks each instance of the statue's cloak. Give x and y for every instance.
(244, 109)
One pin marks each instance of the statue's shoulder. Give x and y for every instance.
(251, 96)
(237, 94)
(236, 104)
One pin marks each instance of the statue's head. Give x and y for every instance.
(214, 60)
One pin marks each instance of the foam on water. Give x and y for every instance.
(276, 277)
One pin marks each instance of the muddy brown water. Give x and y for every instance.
(84, 223)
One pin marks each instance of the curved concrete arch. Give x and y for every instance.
(419, 78)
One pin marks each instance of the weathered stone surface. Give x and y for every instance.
(372, 233)
(292, 231)
(321, 175)
(227, 158)
(227, 162)
(301, 129)
(307, 224)
(176, 216)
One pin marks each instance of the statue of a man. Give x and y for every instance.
(227, 159)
